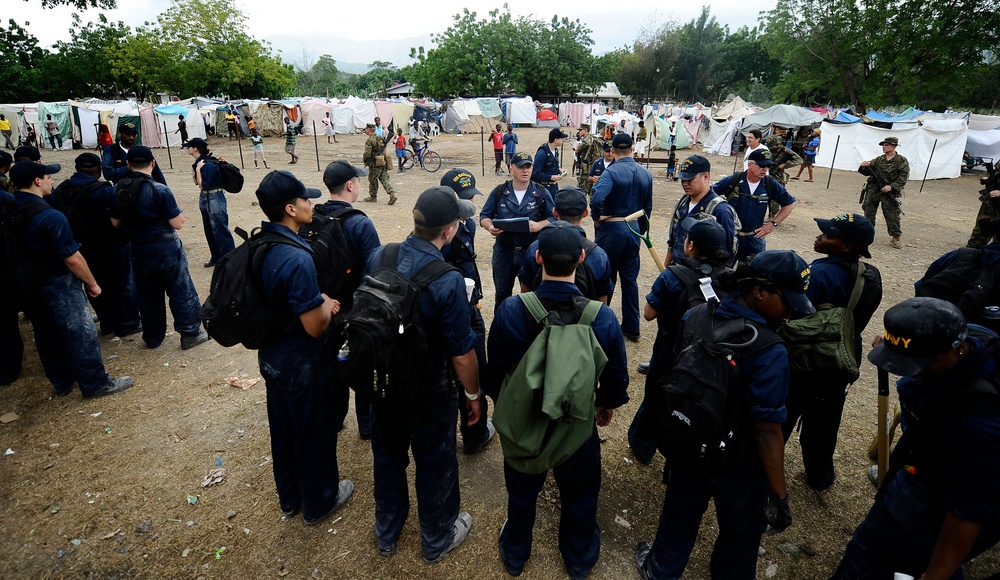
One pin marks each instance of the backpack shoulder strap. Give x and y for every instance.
(534, 306)
(390, 256)
(432, 272)
(344, 212)
(588, 245)
(686, 275)
(858, 268)
(590, 313)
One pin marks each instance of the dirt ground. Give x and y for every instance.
(110, 488)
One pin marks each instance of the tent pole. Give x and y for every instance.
(239, 143)
(833, 162)
(928, 166)
(482, 147)
(167, 137)
(316, 144)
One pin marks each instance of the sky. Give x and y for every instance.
(352, 32)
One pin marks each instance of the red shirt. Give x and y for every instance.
(497, 139)
(400, 142)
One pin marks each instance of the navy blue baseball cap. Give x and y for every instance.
(521, 159)
(280, 186)
(140, 154)
(707, 234)
(789, 273)
(440, 206)
(556, 134)
(571, 202)
(196, 142)
(854, 228)
(621, 141)
(23, 173)
(27, 152)
(693, 167)
(340, 172)
(918, 330)
(761, 157)
(606, 145)
(5, 159)
(462, 181)
(560, 238)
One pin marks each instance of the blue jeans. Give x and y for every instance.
(427, 428)
(471, 436)
(819, 401)
(740, 496)
(65, 335)
(215, 220)
(162, 267)
(622, 248)
(117, 306)
(749, 246)
(507, 262)
(342, 391)
(303, 439)
(579, 481)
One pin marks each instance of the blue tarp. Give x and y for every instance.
(847, 118)
(171, 110)
(891, 117)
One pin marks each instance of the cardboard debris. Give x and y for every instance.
(242, 384)
(9, 418)
(214, 476)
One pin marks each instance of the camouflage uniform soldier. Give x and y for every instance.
(588, 151)
(989, 210)
(895, 170)
(784, 158)
(374, 159)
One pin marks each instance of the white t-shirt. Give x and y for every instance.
(746, 156)
(519, 195)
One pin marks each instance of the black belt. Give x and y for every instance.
(216, 190)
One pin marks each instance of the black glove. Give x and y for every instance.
(778, 514)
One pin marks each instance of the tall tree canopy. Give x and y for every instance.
(507, 55)
(882, 52)
(20, 56)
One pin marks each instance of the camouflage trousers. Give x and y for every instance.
(774, 207)
(889, 210)
(376, 175)
(988, 209)
(583, 182)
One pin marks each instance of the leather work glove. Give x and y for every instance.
(778, 514)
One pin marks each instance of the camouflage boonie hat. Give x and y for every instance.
(894, 141)
(773, 142)
(585, 126)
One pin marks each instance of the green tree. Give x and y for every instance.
(380, 76)
(745, 67)
(82, 66)
(701, 43)
(321, 79)
(20, 57)
(504, 55)
(647, 71)
(882, 52)
(80, 4)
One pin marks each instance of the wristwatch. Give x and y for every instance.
(775, 224)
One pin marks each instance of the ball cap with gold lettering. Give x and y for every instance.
(918, 330)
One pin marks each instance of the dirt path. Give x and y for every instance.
(111, 487)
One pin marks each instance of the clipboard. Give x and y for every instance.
(519, 225)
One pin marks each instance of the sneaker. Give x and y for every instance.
(344, 492)
(371, 199)
(209, 264)
(112, 387)
(873, 474)
(641, 553)
(895, 243)
(490, 432)
(386, 552)
(189, 341)
(512, 570)
(392, 199)
(290, 512)
(643, 368)
(463, 523)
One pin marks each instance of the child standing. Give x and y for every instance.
(672, 163)
(400, 142)
(258, 147)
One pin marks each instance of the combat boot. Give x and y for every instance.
(371, 199)
(895, 242)
(392, 199)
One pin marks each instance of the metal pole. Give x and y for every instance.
(167, 136)
(316, 144)
(883, 425)
(928, 167)
(833, 161)
(482, 147)
(239, 143)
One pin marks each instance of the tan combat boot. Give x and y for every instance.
(895, 242)
(392, 199)
(371, 199)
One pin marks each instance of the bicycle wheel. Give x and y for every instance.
(431, 161)
(407, 162)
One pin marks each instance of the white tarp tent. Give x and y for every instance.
(721, 135)
(860, 142)
(735, 109)
(984, 144)
(364, 111)
(313, 112)
(782, 116)
(520, 111)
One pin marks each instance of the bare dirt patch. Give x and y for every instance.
(111, 487)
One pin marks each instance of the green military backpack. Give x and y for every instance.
(546, 407)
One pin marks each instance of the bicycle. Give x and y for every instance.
(429, 160)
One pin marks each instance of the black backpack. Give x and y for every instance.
(967, 283)
(127, 195)
(73, 197)
(584, 279)
(232, 179)
(697, 408)
(21, 275)
(338, 264)
(385, 347)
(236, 310)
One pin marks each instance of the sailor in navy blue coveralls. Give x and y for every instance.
(579, 477)
(502, 203)
(65, 335)
(546, 170)
(158, 258)
(624, 188)
(105, 248)
(114, 159)
(11, 344)
(426, 427)
(211, 202)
